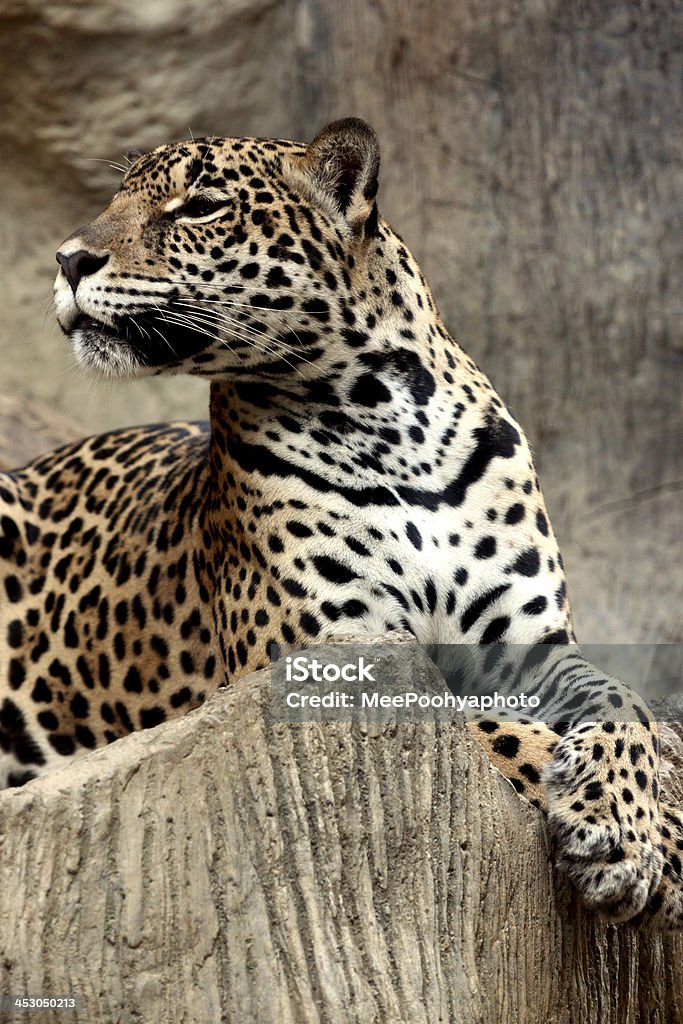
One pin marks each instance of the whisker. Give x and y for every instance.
(70, 368)
(281, 314)
(183, 321)
(110, 163)
(47, 313)
(142, 330)
(163, 336)
(191, 321)
(250, 327)
(278, 346)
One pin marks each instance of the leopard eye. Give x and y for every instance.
(200, 206)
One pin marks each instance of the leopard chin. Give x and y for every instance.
(133, 346)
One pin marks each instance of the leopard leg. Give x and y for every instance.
(520, 751)
(523, 753)
(602, 787)
(664, 909)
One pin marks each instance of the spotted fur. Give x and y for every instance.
(359, 474)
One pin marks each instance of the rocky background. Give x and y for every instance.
(531, 159)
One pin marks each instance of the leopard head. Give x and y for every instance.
(224, 256)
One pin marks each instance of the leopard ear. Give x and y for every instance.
(134, 154)
(342, 165)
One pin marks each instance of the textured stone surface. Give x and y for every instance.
(28, 429)
(227, 867)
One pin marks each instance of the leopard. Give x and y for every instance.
(358, 474)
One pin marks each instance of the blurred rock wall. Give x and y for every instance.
(532, 158)
(81, 83)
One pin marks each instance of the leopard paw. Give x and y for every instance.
(664, 908)
(602, 810)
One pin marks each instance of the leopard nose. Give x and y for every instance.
(77, 265)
